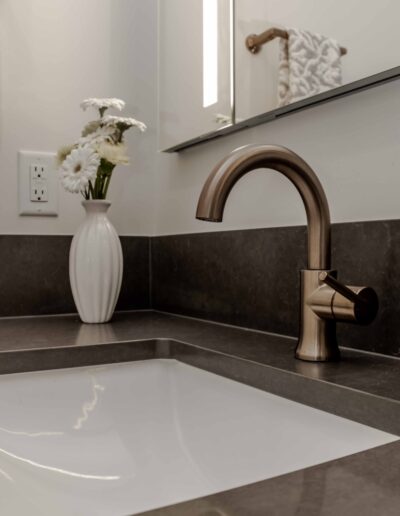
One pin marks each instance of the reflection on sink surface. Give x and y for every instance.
(125, 438)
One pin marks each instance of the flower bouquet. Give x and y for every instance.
(86, 168)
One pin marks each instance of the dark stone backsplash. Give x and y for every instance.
(251, 278)
(34, 277)
(247, 278)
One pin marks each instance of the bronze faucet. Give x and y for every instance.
(324, 300)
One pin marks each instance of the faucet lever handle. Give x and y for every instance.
(356, 304)
(345, 291)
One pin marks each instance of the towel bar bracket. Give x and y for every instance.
(254, 42)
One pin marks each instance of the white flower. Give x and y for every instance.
(91, 127)
(79, 168)
(103, 104)
(101, 134)
(113, 153)
(63, 153)
(114, 121)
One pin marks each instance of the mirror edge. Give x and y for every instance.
(328, 96)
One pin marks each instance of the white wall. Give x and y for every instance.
(54, 53)
(352, 143)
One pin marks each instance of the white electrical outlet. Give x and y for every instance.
(38, 183)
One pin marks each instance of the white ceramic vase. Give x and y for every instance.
(95, 264)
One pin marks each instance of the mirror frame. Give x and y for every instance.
(328, 96)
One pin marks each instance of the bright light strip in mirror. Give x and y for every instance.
(210, 52)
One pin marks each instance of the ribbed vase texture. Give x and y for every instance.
(96, 265)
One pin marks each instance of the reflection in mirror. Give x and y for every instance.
(328, 46)
(195, 68)
(286, 55)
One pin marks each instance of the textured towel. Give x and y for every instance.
(309, 64)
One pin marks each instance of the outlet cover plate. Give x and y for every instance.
(26, 161)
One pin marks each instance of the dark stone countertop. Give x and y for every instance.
(362, 387)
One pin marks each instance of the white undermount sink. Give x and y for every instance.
(120, 439)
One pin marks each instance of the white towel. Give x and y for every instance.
(308, 64)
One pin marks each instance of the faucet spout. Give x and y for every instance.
(251, 157)
(324, 300)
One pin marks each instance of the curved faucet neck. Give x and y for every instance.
(226, 174)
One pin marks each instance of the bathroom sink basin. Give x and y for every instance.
(124, 438)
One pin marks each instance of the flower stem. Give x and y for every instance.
(107, 184)
(91, 191)
(102, 182)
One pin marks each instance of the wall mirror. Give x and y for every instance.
(195, 68)
(228, 64)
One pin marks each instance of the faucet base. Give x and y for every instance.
(317, 342)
